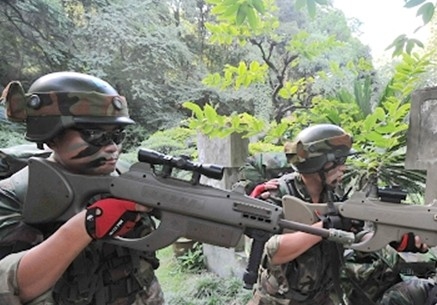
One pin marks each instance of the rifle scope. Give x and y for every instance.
(153, 157)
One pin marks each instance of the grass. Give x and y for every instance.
(202, 288)
(171, 279)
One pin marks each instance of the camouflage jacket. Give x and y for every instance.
(101, 274)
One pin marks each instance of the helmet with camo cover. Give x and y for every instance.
(317, 145)
(61, 100)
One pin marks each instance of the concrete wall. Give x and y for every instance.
(422, 138)
(230, 152)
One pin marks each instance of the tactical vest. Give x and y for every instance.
(106, 274)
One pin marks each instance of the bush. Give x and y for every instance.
(193, 260)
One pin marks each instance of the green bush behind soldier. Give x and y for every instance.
(299, 268)
(81, 118)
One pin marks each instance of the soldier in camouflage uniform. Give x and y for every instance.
(308, 279)
(263, 167)
(413, 291)
(300, 268)
(81, 119)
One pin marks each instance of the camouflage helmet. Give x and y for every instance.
(317, 145)
(61, 100)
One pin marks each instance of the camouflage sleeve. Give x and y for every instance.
(8, 280)
(272, 245)
(15, 235)
(413, 291)
(9, 284)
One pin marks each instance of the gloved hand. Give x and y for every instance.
(408, 243)
(262, 190)
(110, 217)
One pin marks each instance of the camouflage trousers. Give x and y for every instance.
(152, 296)
(259, 298)
(414, 291)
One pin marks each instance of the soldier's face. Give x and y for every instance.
(334, 174)
(89, 151)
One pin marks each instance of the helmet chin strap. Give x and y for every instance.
(325, 185)
(329, 190)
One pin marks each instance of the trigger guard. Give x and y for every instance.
(161, 237)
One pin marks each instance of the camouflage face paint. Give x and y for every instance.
(99, 160)
(87, 152)
(80, 157)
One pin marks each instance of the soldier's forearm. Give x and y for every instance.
(42, 266)
(292, 245)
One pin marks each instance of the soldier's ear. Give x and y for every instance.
(14, 99)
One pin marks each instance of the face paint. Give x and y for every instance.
(77, 155)
(87, 152)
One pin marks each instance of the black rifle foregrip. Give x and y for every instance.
(256, 251)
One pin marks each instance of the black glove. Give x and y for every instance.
(407, 244)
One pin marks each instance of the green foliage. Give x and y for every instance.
(292, 54)
(209, 122)
(238, 76)
(310, 5)
(135, 134)
(379, 130)
(272, 65)
(10, 133)
(241, 16)
(10, 138)
(193, 260)
(291, 89)
(403, 44)
(174, 141)
(37, 36)
(260, 147)
(182, 288)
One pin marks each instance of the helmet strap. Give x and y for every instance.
(329, 191)
(325, 186)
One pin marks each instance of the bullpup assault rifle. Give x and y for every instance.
(187, 208)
